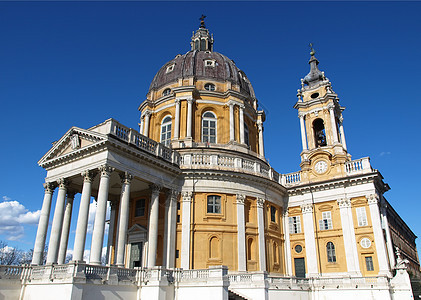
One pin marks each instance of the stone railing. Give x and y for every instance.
(14, 272)
(358, 166)
(229, 162)
(131, 136)
(291, 178)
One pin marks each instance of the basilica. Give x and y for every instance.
(196, 210)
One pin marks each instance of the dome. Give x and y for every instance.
(193, 64)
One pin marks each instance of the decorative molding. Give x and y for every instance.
(63, 183)
(105, 170)
(240, 199)
(373, 199)
(126, 177)
(75, 141)
(307, 208)
(155, 188)
(260, 202)
(88, 175)
(344, 203)
(187, 196)
(49, 187)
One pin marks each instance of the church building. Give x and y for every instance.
(198, 211)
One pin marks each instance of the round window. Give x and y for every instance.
(298, 248)
(314, 95)
(209, 87)
(365, 243)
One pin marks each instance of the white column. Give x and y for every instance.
(242, 124)
(189, 116)
(170, 228)
(55, 234)
(111, 229)
(185, 230)
(241, 234)
(177, 119)
(341, 130)
(261, 232)
(310, 240)
(37, 257)
(141, 125)
(123, 219)
(288, 258)
(333, 124)
(82, 219)
(153, 225)
(231, 105)
(373, 200)
(389, 242)
(66, 228)
(350, 243)
(260, 130)
(101, 210)
(146, 125)
(303, 132)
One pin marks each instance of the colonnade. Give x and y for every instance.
(62, 218)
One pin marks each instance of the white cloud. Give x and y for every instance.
(13, 216)
(5, 198)
(385, 153)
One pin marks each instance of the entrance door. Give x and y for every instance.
(300, 267)
(136, 255)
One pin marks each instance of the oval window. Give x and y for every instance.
(298, 248)
(209, 87)
(365, 243)
(314, 95)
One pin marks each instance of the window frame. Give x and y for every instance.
(331, 252)
(209, 87)
(369, 264)
(294, 225)
(164, 125)
(326, 223)
(273, 210)
(361, 216)
(166, 92)
(216, 207)
(136, 215)
(209, 128)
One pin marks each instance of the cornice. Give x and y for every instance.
(320, 100)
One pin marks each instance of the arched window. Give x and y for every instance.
(214, 247)
(250, 249)
(166, 92)
(214, 204)
(275, 253)
(319, 133)
(246, 135)
(209, 87)
(166, 131)
(209, 128)
(331, 254)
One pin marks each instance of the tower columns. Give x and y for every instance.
(177, 119)
(231, 105)
(288, 258)
(153, 225)
(341, 130)
(333, 124)
(310, 240)
(189, 117)
(303, 132)
(389, 243)
(185, 230)
(66, 228)
(241, 234)
(111, 229)
(146, 123)
(260, 130)
(242, 124)
(39, 246)
(261, 232)
(170, 228)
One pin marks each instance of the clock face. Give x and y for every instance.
(320, 167)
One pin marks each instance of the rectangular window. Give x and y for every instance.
(178, 218)
(294, 224)
(273, 213)
(140, 208)
(326, 222)
(214, 204)
(178, 205)
(369, 263)
(177, 254)
(361, 216)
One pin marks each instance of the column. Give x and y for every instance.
(123, 220)
(341, 130)
(303, 132)
(189, 116)
(146, 125)
(170, 228)
(101, 210)
(333, 124)
(310, 240)
(111, 229)
(261, 232)
(241, 234)
(37, 257)
(66, 228)
(231, 105)
(389, 242)
(57, 222)
(82, 219)
(242, 124)
(153, 225)
(141, 124)
(185, 230)
(288, 258)
(350, 243)
(177, 119)
(373, 200)
(260, 130)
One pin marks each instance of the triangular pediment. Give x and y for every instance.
(136, 228)
(74, 140)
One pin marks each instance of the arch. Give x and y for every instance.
(209, 125)
(331, 253)
(319, 133)
(250, 249)
(166, 130)
(214, 247)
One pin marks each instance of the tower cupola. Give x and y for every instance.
(202, 40)
(315, 75)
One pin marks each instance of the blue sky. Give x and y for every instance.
(66, 64)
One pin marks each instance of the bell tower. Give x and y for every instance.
(321, 123)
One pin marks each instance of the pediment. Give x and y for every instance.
(136, 228)
(75, 139)
(294, 211)
(325, 207)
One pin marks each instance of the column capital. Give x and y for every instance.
(146, 113)
(171, 196)
(126, 177)
(285, 213)
(341, 119)
(301, 115)
(260, 202)
(373, 199)
(63, 183)
(89, 175)
(330, 106)
(240, 199)
(49, 187)
(155, 188)
(187, 196)
(106, 170)
(344, 203)
(190, 100)
(242, 106)
(307, 208)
